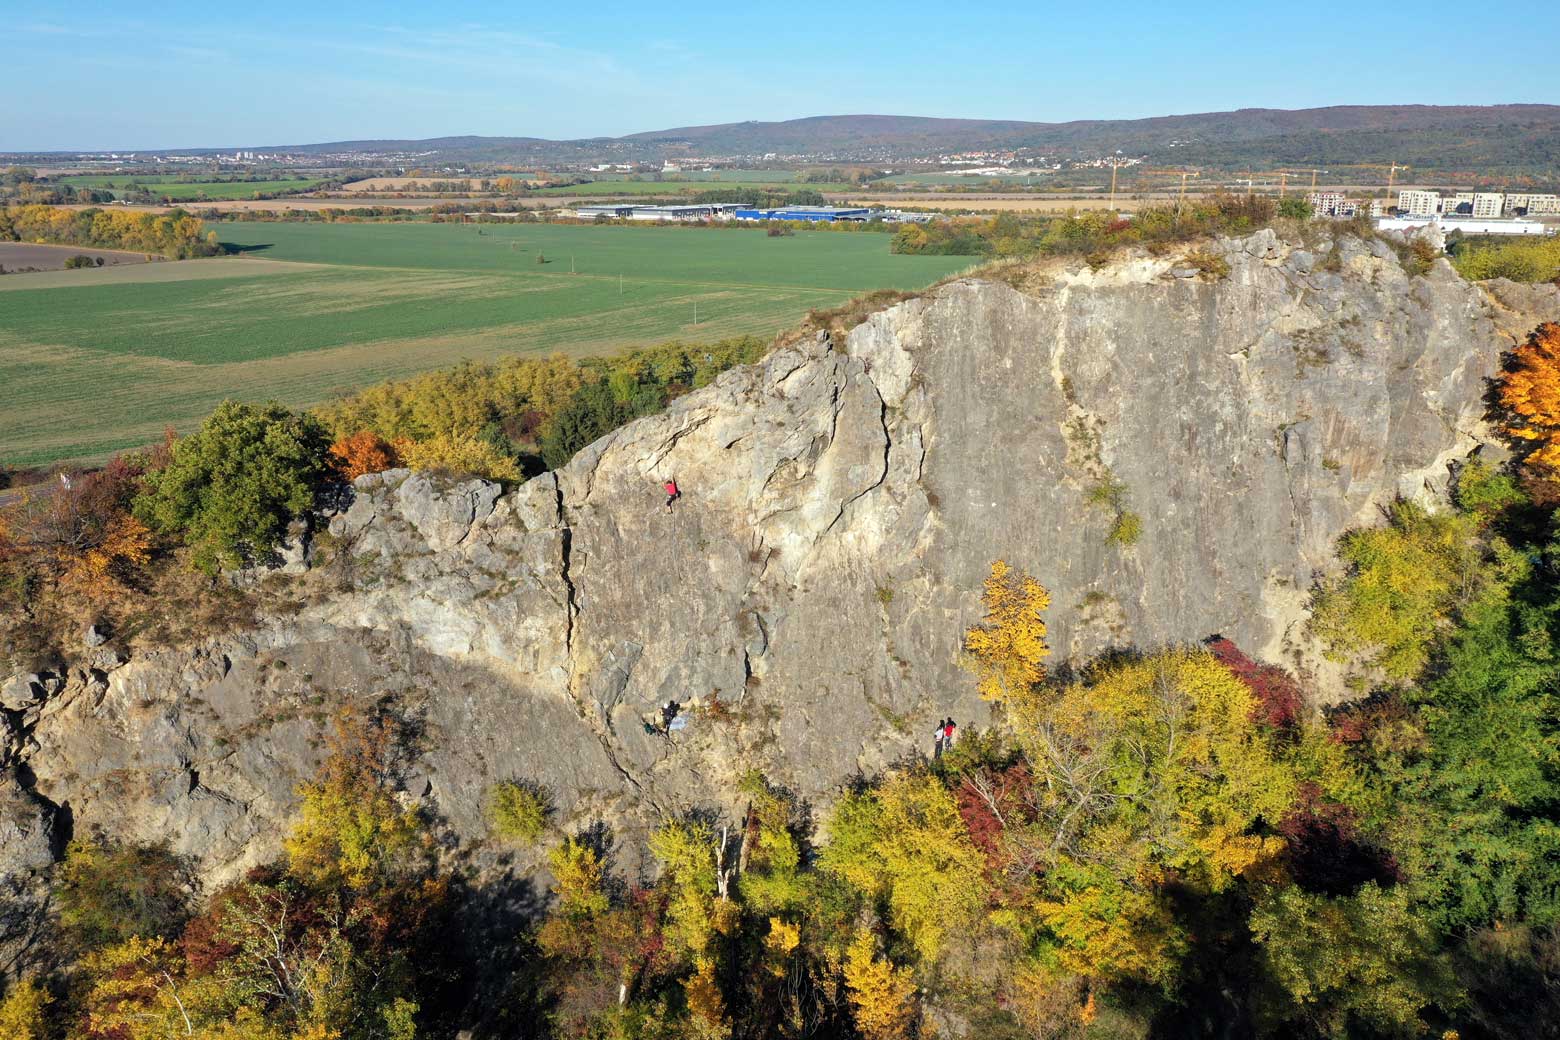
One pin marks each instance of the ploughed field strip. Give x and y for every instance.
(96, 364)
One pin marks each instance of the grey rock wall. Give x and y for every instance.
(842, 503)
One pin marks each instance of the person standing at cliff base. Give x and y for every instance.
(937, 743)
(947, 733)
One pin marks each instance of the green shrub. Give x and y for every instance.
(1210, 265)
(1295, 209)
(1404, 582)
(593, 412)
(518, 812)
(1521, 260)
(1127, 529)
(1486, 492)
(232, 487)
(110, 893)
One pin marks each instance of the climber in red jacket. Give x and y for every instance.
(672, 494)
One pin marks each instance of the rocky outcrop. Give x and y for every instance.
(842, 503)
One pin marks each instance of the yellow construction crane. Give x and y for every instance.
(1284, 175)
(1116, 164)
(1393, 176)
(1182, 173)
(1393, 168)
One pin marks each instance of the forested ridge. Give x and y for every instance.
(1510, 137)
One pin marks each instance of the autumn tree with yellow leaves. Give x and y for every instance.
(350, 829)
(461, 454)
(1008, 647)
(882, 996)
(1150, 771)
(24, 1009)
(905, 844)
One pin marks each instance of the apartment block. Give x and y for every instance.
(1330, 204)
(1418, 203)
(1487, 204)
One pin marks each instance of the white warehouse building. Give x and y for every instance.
(1467, 225)
(629, 211)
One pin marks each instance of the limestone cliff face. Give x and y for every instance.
(842, 503)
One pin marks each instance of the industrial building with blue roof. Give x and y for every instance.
(826, 213)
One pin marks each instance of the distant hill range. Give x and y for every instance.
(1472, 137)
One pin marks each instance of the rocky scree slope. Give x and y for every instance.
(842, 504)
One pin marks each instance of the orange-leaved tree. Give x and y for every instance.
(79, 530)
(363, 452)
(1530, 394)
(125, 545)
(1008, 646)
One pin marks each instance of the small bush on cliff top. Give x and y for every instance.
(461, 454)
(1090, 233)
(1210, 265)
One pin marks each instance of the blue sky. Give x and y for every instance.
(89, 75)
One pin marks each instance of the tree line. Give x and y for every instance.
(176, 234)
(1092, 232)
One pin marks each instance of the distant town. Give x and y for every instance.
(1472, 212)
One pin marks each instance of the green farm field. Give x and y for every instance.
(98, 364)
(189, 191)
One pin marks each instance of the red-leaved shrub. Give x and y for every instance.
(1278, 695)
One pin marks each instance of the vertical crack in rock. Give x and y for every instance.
(1295, 523)
(888, 445)
(570, 602)
(600, 726)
